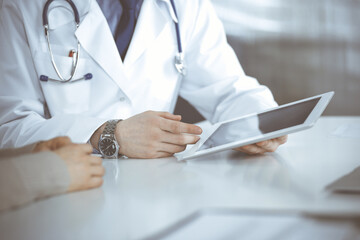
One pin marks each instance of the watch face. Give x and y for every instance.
(107, 147)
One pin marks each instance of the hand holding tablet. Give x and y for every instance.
(272, 125)
(262, 147)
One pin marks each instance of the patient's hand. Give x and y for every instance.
(52, 144)
(264, 146)
(86, 171)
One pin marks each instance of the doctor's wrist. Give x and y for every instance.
(119, 137)
(94, 140)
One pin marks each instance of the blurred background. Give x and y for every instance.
(298, 48)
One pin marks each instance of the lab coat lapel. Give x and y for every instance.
(150, 24)
(96, 38)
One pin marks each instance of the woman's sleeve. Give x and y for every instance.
(13, 152)
(29, 177)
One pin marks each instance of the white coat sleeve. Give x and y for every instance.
(22, 105)
(216, 84)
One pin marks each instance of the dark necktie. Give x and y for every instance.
(126, 26)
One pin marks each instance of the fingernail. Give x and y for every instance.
(198, 130)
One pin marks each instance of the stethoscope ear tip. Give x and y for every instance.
(44, 78)
(88, 76)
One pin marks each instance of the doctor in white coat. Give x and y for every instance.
(33, 110)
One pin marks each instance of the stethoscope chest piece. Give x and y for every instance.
(180, 64)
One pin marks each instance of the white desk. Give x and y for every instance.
(141, 197)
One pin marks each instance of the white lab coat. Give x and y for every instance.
(31, 110)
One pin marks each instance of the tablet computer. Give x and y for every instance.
(257, 127)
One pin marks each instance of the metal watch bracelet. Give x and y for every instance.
(111, 126)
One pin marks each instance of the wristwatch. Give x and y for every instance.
(108, 145)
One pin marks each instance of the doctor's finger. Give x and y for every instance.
(269, 145)
(272, 144)
(180, 127)
(169, 116)
(172, 148)
(179, 139)
(282, 139)
(164, 154)
(251, 149)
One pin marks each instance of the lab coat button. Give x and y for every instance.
(122, 99)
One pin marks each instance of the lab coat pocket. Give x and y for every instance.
(64, 98)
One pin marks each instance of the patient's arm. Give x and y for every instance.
(56, 167)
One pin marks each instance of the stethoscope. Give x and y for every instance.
(75, 54)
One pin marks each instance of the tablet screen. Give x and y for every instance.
(260, 124)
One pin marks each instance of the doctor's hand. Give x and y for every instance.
(264, 146)
(155, 135)
(86, 171)
(152, 135)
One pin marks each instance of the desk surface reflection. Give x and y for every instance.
(142, 197)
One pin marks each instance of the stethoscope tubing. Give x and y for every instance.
(47, 35)
(46, 9)
(179, 58)
(75, 62)
(177, 28)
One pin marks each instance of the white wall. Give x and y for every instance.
(299, 48)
